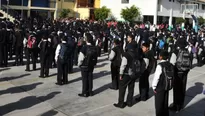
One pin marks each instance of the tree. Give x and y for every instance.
(64, 13)
(130, 14)
(102, 13)
(180, 20)
(201, 20)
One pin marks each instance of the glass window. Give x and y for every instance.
(125, 1)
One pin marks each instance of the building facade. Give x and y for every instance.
(155, 11)
(83, 9)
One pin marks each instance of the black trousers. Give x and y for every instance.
(144, 85)
(87, 80)
(161, 103)
(62, 76)
(179, 88)
(3, 55)
(123, 84)
(70, 64)
(115, 70)
(10, 50)
(19, 55)
(31, 54)
(45, 64)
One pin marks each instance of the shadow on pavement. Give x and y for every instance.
(19, 89)
(4, 69)
(12, 78)
(26, 102)
(49, 113)
(101, 89)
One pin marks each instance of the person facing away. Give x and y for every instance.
(160, 86)
(61, 57)
(86, 61)
(115, 58)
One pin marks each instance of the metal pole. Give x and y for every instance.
(21, 8)
(0, 4)
(7, 9)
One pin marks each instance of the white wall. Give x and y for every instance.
(147, 7)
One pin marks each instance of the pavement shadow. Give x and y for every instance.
(19, 89)
(102, 60)
(101, 65)
(101, 89)
(25, 103)
(12, 78)
(4, 69)
(49, 113)
(151, 94)
(193, 91)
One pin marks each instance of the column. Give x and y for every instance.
(171, 14)
(156, 12)
(29, 8)
(56, 10)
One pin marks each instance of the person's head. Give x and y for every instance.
(116, 42)
(130, 38)
(89, 38)
(63, 38)
(145, 47)
(164, 55)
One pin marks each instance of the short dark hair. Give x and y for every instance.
(89, 38)
(117, 42)
(64, 38)
(131, 36)
(164, 54)
(146, 44)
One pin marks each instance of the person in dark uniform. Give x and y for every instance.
(115, 58)
(158, 86)
(125, 79)
(148, 57)
(61, 57)
(3, 47)
(18, 45)
(45, 52)
(86, 61)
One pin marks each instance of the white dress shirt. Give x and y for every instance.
(157, 75)
(123, 65)
(58, 51)
(111, 55)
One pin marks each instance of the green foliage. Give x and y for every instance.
(201, 20)
(101, 13)
(130, 14)
(180, 20)
(64, 13)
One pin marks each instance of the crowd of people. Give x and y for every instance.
(133, 50)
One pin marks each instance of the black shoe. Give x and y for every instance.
(129, 104)
(113, 88)
(58, 83)
(138, 99)
(120, 105)
(91, 93)
(65, 82)
(83, 95)
(27, 70)
(41, 76)
(172, 107)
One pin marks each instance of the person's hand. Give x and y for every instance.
(155, 91)
(120, 77)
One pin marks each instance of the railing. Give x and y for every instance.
(10, 11)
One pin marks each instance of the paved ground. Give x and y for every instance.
(24, 94)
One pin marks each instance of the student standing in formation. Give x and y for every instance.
(61, 57)
(115, 58)
(161, 85)
(148, 58)
(45, 55)
(86, 61)
(125, 77)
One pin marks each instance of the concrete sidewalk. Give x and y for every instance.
(24, 94)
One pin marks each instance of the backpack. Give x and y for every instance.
(136, 67)
(168, 71)
(161, 44)
(91, 56)
(64, 53)
(32, 43)
(183, 62)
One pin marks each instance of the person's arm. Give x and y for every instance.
(156, 78)
(111, 55)
(173, 58)
(80, 59)
(123, 66)
(57, 52)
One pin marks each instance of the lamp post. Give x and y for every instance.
(7, 9)
(21, 8)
